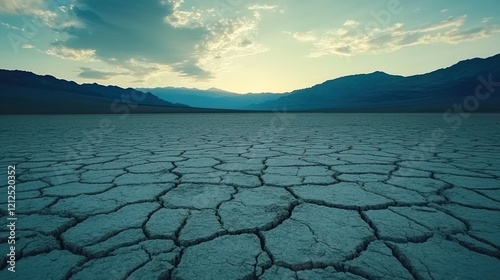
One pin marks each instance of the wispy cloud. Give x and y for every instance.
(263, 7)
(8, 26)
(351, 39)
(20, 7)
(258, 8)
(73, 54)
(38, 11)
(231, 38)
(89, 73)
(486, 19)
(27, 46)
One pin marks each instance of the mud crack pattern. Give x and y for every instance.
(323, 196)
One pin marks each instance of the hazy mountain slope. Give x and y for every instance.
(25, 92)
(378, 91)
(437, 91)
(211, 98)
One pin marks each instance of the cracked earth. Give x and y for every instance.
(253, 196)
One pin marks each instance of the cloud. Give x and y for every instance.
(191, 19)
(245, 43)
(451, 23)
(88, 73)
(141, 37)
(187, 69)
(73, 54)
(257, 8)
(8, 26)
(39, 11)
(353, 39)
(305, 36)
(351, 22)
(230, 39)
(486, 19)
(176, 3)
(20, 7)
(144, 37)
(123, 30)
(262, 7)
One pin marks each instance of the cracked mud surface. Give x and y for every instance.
(253, 196)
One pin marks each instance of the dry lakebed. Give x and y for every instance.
(252, 196)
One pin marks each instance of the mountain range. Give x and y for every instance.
(374, 92)
(212, 98)
(380, 92)
(27, 93)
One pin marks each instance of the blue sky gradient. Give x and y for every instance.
(241, 45)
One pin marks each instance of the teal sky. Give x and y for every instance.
(241, 45)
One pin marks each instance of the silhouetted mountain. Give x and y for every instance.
(438, 91)
(27, 93)
(211, 98)
(218, 90)
(381, 92)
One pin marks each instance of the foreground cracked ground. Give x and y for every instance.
(253, 196)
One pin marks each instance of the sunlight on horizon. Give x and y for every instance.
(241, 46)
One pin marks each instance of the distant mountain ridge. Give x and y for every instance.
(211, 98)
(381, 92)
(24, 92)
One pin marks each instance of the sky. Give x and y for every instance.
(241, 45)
